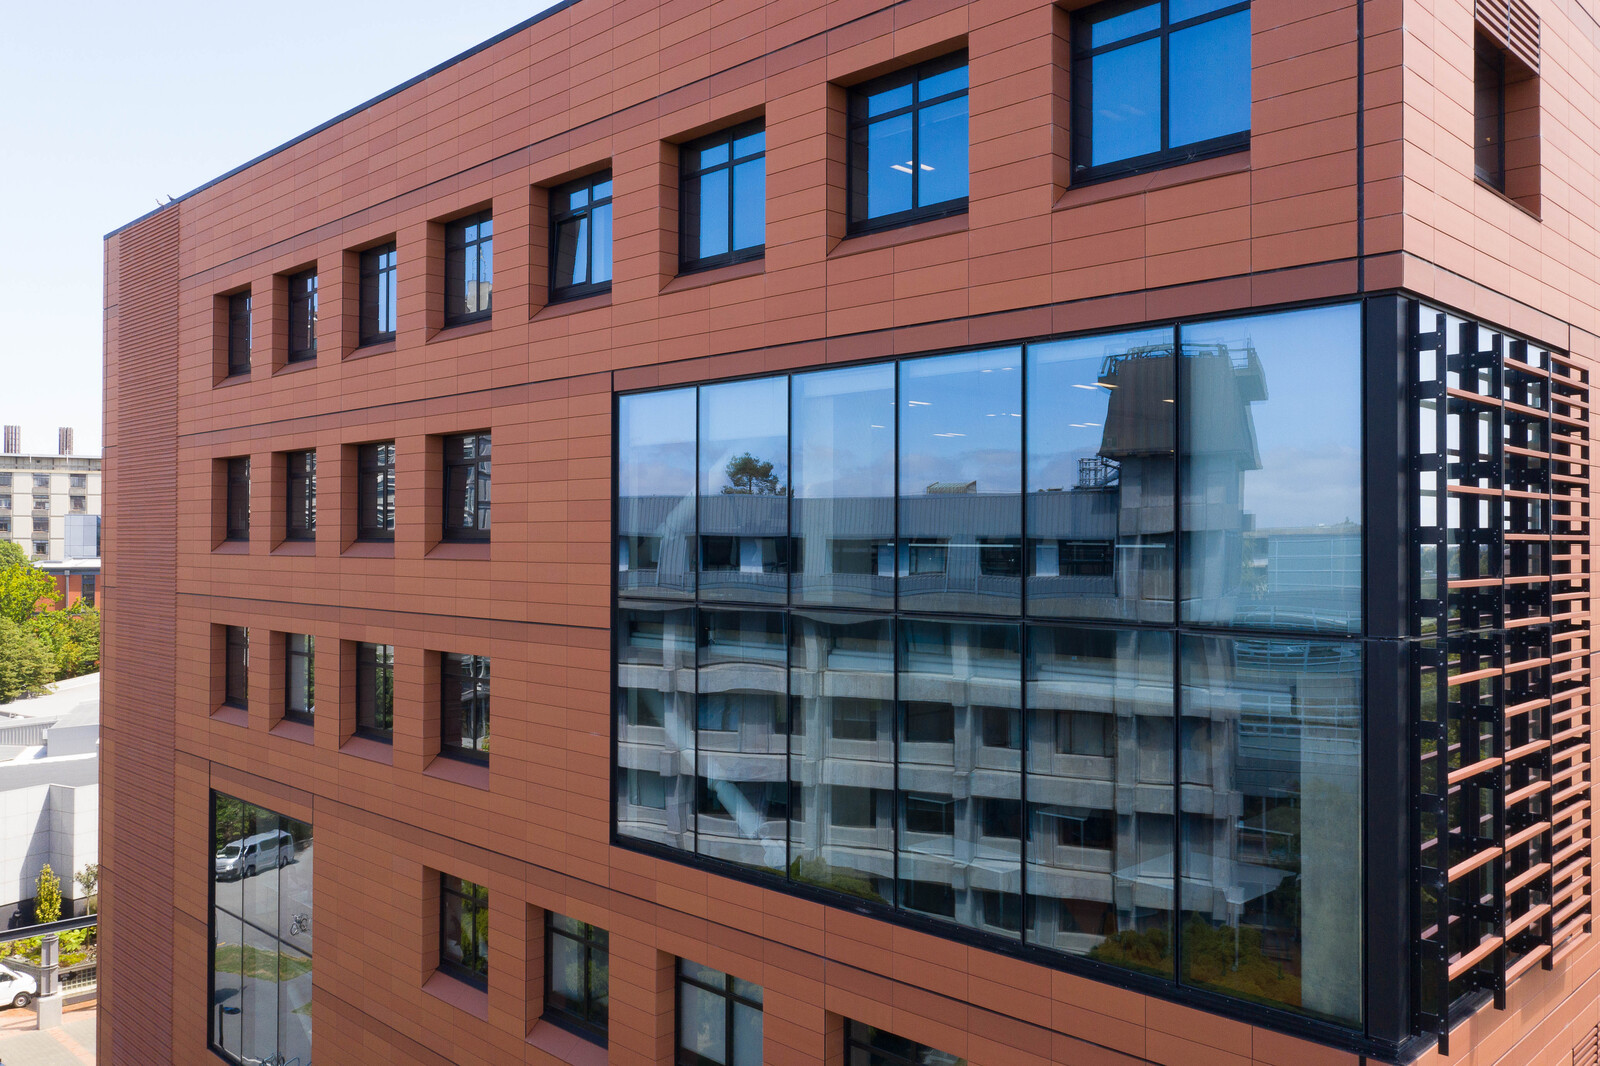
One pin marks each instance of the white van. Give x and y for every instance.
(242, 858)
(16, 989)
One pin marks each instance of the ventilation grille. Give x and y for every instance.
(1513, 25)
(1587, 1051)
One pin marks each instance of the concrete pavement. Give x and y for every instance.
(70, 1045)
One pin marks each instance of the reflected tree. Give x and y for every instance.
(749, 476)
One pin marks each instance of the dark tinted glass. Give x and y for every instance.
(375, 491)
(238, 509)
(464, 707)
(719, 1018)
(300, 522)
(468, 268)
(303, 316)
(466, 487)
(656, 494)
(580, 227)
(236, 678)
(1271, 455)
(1489, 113)
(300, 683)
(724, 210)
(869, 1046)
(908, 144)
(744, 491)
(577, 976)
(655, 725)
(239, 333)
(375, 690)
(464, 930)
(378, 292)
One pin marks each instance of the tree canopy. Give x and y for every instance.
(749, 476)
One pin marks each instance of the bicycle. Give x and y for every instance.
(300, 923)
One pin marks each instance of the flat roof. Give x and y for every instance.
(408, 83)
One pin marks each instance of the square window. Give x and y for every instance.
(236, 666)
(719, 1018)
(580, 232)
(41, 527)
(1158, 83)
(379, 279)
(855, 719)
(239, 324)
(466, 487)
(577, 987)
(78, 481)
(300, 521)
(723, 210)
(464, 930)
(853, 807)
(303, 317)
(300, 677)
(41, 548)
(5, 525)
(41, 503)
(1002, 727)
(41, 481)
(78, 504)
(375, 691)
(908, 145)
(375, 491)
(929, 723)
(468, 269)
(926, 813)
(238, 504)
(464, 707)
(5, 481)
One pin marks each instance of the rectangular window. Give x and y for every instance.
(78, 481)
(1489, 113)
(300, 518)
(5, 481)
(929, 723)
(5, 525)
(464, 930)
(41, 527)
(723, 214)
(41, 503)
(236, 668)
(464, 707)
(1158, 83)
(854, 807)
(300, 677)
(238, 507)
(41, 548)
(303, 317)
(908, 145)
(79, 504)
(375, 491)
(41, 481)
(580, 245)
(261, 933)
(854, 719)
(378, 288)
(239, 333)
(876, 1047)
(88, 590)
(375, 691)
(468, 269)
(926, 813)
(466, 487)
(719, 1018)
(577, 988)
(1085, 733)
(5, 503)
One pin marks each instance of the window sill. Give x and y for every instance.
(296, 547)
(294, 368)
(566, 1045)
(298, 731)
(1166, 177)
(361, 351)
(460, 771)
(460, 549)
(562, 308)
(232, 379)
(910, 233)
(370, 549)
(232, 547)
(1507, 197)
(701, 278)
(465, 329)
(459, 994)
(369, 749)
(232, 715)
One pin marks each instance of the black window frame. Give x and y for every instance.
(375, 491)
(857, 124)
(577, 290)
(374, 665)
(1489, 60)
(307, 652)
(236, 510)
(473, 897)
(689, 263)
(857, 1038)
(86, 587)
(1085, 172)
(235, 665)
(300, 480)
(480, 470)
(596, 943)
(379, 276)
(682, 1056)
(459, 246)
(303, 309)
(239, 327)
(456, 668)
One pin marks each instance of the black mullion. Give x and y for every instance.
(1166, 81)
(916, 145)
(729, 166)
(1179, 422)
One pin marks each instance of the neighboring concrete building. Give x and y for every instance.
(997, 533)
(50, 504)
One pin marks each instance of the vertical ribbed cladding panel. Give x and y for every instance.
(137, 721)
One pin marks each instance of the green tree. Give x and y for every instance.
(26, 664)
(47, 898)
(23, 586)
(749, 476)
(73, 637)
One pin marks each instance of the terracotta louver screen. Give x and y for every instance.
(1587, 1051)
(1513, 25)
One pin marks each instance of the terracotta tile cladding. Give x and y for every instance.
(1309, 212)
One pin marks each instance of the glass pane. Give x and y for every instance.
(743, 737)
(1100, 874)
(227, 989)
(942, 144)
(952, 862)
(1101, 432)
(704, 974)
(1129, 24)
(602, 190)
(1272, 847)
(656, 493)
(1489, 113)
(941, 82)
(565, 255)
(655, 726)
(1209, 80)
(843, 507)
(297, 854)
(744, 491)
(887, 99)
(702, 1025)
(1125, 98)
(578, 199)
(1182, 10)
(883, 167)
(580, 254)
(294, 1007)
(960, 482)
(750, 144)
(841, 761)
(711, 214)
(711, 155)
(1272, 471)
(602, 245)
(750, 204)
(566, 975)
(746, 1036)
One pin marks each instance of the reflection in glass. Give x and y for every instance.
(300, 690)
(1272, 845)
(1206, 98)
(656, 493)
(909, 143)
(1101, 436)
(843, 507)
(841, 753)
(719, 1018)
(464, 929)
(744, 491)
(960, 482)
(743, 737)
(577, 975)
(1126, 87)
(655, 725)
(260, 933)
(464, 707)
(1272, 471)
(960, 852)
(1100, 874)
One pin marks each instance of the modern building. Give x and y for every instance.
(870, 533)
(47, 501)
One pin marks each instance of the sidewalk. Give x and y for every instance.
(71, 1045)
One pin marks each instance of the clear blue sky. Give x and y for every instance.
(108, 107)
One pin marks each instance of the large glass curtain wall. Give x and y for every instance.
(261, 910)
(1055, 642)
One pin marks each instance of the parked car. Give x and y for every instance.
(16, 989)
(243, 858)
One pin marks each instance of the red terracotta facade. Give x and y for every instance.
(1358, 179)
